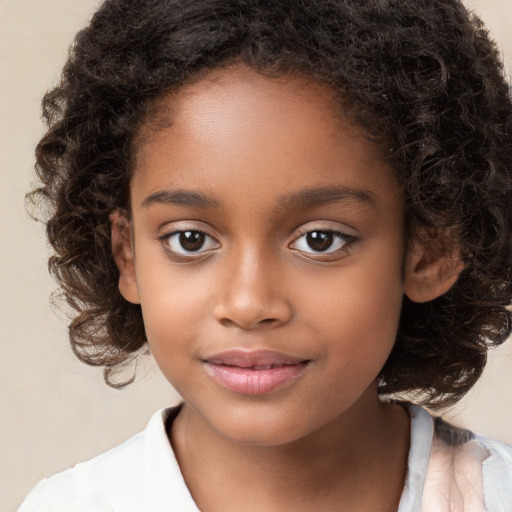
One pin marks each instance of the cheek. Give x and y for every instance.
(358, 309)
(172, 308)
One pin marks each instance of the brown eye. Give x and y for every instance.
(323, 242)
(320, 241)
(191, 241)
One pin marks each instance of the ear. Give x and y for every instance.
(429, 275)
(124, 256)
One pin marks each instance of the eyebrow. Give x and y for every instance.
(317, 196)
(308, 197)
(181, 198)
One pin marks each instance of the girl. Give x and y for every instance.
(300, 206)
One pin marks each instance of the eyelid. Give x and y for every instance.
(337, 229)
(348, 239)
(185, 257)
(325, 227)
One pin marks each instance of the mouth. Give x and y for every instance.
(254, 372)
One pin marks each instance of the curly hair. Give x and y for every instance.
(422, 76)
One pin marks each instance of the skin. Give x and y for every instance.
(323, 441)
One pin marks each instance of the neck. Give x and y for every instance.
(356, 462)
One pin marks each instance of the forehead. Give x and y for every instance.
(239, 127)
(236, 90)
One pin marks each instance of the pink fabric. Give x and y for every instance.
(454, 481)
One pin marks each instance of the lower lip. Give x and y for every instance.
(254, 382)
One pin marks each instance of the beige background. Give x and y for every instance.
(56, 411)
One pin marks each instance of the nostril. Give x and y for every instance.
(252, 323)
(252, 311)
(227, 322)
(268, 321)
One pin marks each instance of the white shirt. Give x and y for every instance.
(449, 470)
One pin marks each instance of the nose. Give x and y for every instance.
(251, 295)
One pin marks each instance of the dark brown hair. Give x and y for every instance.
(420, 75)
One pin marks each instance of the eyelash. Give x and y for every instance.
(347, 243)
(189, 256)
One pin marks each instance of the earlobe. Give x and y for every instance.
(122, 249)
(428, 276)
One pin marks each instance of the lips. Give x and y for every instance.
(254, 372)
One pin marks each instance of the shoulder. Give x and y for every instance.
(474, 471)
(140, 474)
(500, 453)
(495, 456)
(450, 469)
(497, 474)
(95, 485)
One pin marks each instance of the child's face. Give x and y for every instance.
(262, 222)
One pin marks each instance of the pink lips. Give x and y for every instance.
(254, 372)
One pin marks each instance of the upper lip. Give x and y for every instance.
(246, 359)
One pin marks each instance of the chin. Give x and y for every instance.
(262, 427)
(263, 438)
